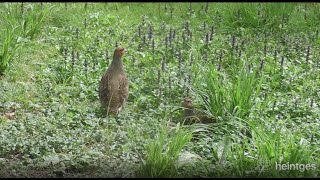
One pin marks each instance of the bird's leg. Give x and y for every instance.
(117, 117)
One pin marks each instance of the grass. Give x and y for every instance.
(253, 67)
(224, 97)
(6, 50)
(162, 154)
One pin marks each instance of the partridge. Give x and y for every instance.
(113, 89)
(190, 115)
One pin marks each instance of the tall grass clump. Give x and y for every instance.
(223, 95)
(264, 153)
(244, 91)
(8, 48)
(28, 22)
(241, 15)
(32, 21)
(17, 27)
(162, 154)
(257, 16)
(279, 145)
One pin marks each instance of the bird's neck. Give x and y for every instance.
(117, 64)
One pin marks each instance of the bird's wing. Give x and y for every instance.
(123, 88)
(104, 90)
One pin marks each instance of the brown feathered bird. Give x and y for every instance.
(114, 89)
(190, 115)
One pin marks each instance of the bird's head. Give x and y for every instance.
(119, 52)
(187, 103)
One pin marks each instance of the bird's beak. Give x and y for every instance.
(123, 52)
